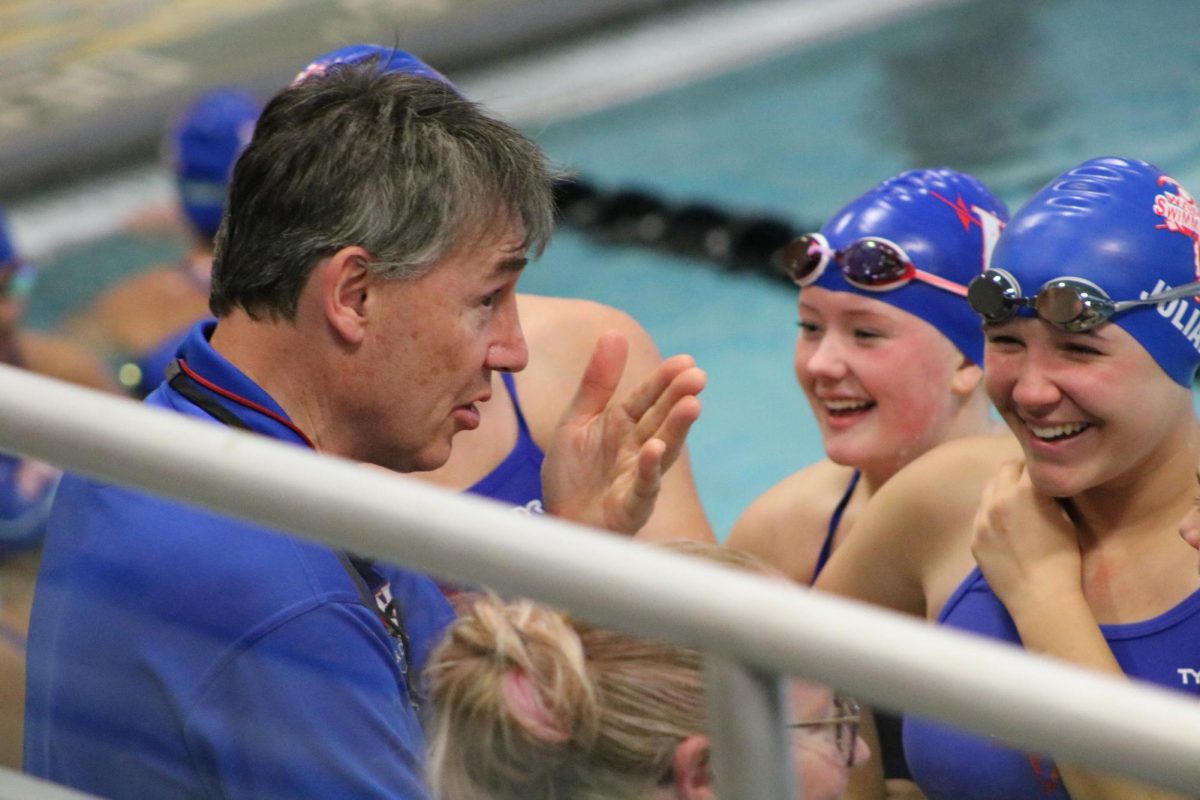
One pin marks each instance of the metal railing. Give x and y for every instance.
(753, 631)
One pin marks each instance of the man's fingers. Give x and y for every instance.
(601, 376)
(687, 383)
(650, 391)
(650, 469)
(674, 430)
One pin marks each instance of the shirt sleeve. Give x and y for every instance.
(314, 708)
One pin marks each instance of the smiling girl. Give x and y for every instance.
(889, 357)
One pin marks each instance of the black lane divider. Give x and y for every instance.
(733, 241)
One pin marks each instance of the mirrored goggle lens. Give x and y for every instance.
(991, 296)
(875, 263)
(1072, 307)
(803, 258)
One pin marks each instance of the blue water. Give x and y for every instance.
(1013, 92)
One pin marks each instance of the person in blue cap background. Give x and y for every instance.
(138, 324)
(26, 485)
(1061, 537)
(503, 457)
(889, 356)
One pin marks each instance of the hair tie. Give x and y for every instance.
(527, 706)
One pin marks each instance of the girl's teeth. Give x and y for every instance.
(1057, 431)
(846, 405)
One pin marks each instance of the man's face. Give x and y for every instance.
(432, 347)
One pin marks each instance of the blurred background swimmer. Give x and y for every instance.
(140, 322)
(26, 485)
(528, 702)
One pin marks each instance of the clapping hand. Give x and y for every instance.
(606, 461)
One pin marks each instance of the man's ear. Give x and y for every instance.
(346, 283)
(693, 770)
(966, 378)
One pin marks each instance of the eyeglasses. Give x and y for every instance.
(872, 263)
(840, 730)
(840, 733)
(16, 280)
(1075, 305)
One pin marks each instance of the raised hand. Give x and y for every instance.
(1025, 542)
(608, 454)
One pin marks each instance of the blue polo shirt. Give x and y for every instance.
(176, 652)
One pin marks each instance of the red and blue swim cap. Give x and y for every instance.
(390, 60)
(946, 222)
(202, 148)
(1130, 229)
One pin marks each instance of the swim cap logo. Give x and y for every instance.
(1179, 214)
(989, 224)
(960, 209)
(316, 68)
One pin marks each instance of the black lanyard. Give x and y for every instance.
(362, 572)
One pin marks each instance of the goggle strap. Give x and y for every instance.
(940, 282)
(1155, 299)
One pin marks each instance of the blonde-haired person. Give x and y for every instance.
(527, 702)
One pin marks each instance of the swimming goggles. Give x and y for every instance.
(1075, 305)
(872, 263)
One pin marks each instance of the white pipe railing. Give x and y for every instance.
(17, 786)
(891, 660)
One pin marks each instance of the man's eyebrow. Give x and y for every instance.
(515, 264)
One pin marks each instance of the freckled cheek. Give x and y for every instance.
(918, 400)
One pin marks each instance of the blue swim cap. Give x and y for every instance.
(1128, 228)
(8, 253)
(202, 148)
(935, 215)
(390, 59)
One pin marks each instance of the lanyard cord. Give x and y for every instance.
(180, 366)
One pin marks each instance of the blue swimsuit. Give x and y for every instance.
(517, 480)
(887, 725)
(951, 764)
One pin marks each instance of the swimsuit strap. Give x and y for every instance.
(510, 383)
(834, 522)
